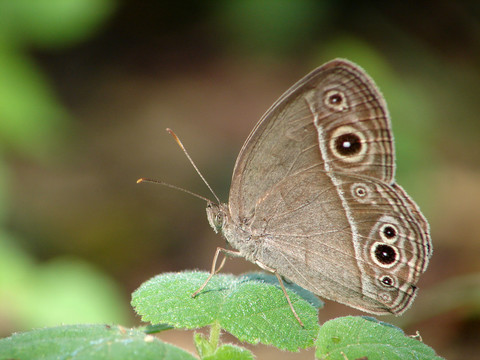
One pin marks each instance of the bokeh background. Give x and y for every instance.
(87, 88)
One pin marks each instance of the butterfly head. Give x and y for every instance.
(216, 214)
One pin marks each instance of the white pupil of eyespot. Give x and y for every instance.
(347, 144)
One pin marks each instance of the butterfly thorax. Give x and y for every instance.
(239, 237)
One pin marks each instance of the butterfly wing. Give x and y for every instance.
(292, 191)
(276, 147)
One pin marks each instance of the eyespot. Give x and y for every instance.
(389, 233)
(361, 192)
(387, 281)
(348, 144)
(384, 255)
(385, 298)
(335, 100)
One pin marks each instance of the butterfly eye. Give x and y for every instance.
(219, 219)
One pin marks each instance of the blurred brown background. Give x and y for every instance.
(87, 88)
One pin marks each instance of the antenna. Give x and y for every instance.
(194, 166)
(177, 187)
(173, 187)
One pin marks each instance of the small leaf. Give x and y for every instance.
(259, 312)
(203, 346)
(88, 342)
(251, 310)
(229, 352)
(353, 337)
(167, 298)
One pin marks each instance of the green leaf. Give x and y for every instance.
(88, 342)
(272, 279)
(251, 310)
(353, 337)
(230, 352)
(203, 346)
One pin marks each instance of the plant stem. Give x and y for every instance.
(215, 334)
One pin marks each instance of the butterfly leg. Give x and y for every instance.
(214, 269)
(273, 271)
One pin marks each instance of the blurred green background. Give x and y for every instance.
(87, 88)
